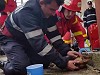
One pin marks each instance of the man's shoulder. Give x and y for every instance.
(86, 11)
(29, 9)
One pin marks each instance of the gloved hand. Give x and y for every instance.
(84, 50)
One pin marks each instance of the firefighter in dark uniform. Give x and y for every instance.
(25, 44)
(9, 7)
(89, 15)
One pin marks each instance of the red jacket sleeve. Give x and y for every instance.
(76, 30)
(2, 19)
(10, 6)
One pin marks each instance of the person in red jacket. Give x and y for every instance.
(68, 20)
(9, 7)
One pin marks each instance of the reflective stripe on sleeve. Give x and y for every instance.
(14, 24)
(91, 15)
(52, 28)
(91, 21)
(85, 35)
(76, 20)
(45, 50)
(77, 33)
(19, 8)
(67, 41)
(33, 33)
(55, 38)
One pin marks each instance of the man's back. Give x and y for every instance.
(33, 17)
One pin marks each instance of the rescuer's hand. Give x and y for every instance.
(74, 54)
(71, 65)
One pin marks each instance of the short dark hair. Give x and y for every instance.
(59, 2)
(89, 2)
(2, 5)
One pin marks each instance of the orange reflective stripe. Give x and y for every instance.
(85, 35)
(76, 20)
(67, 41)
(78, 33)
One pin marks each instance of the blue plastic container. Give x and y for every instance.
(88, 49)
(36, 69)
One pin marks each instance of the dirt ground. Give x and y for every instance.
(59, 72)
(80, 72)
